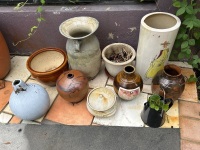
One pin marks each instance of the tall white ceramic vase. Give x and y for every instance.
(158, 31)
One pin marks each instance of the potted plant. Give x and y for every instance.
(153, 113)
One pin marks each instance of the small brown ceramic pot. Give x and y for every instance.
(47, 64)
(72, 85)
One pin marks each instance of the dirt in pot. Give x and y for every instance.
(122, 56)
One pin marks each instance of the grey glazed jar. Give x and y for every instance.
(28, 101)
(83, 49)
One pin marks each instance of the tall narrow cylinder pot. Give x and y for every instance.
(4, 57)
(82, 46)
(158, 31)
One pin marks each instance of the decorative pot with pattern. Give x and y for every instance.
(158, 31)
(128, 84)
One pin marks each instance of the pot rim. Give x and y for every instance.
(28, 62)
(121, 63)
(102, 110)
(177, 25)
(75, 18)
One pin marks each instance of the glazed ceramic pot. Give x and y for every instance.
(152, 117)
(101, 102)
(82, 46)
(47, 64)
(158, 31)
(128, 84)
(170, 80)
(4, 57)
(28, 101)
(72, 86)
(113, 68)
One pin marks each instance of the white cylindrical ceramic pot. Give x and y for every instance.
(28, 101)
(158, 31)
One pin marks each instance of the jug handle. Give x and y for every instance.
(77, 45)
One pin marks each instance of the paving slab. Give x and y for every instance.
(62, 137)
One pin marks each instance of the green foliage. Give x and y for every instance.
(155, 102)
(39, 19)
(189, 33)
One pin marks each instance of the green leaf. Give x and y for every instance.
(40, 19)
(177, 4)
(195, 57)
(188, 51)
(165, 107)
(185, 36)
(190, 25)
(184, 44)
(39, 9)
(191, 42)
(156, 108)
(33, 28)
(184, 3)
(180, 11)
(189, 9)
(197, 35)
(179, 36)
(42, 2)
(192, 78)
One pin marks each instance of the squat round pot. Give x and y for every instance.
(72, 85)
(47, 64)
(28, 101)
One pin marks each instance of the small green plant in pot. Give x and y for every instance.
(153, 113)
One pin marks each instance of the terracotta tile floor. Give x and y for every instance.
(185, 110)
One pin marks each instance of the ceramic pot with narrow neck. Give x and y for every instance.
(128, 84)
(72, 86)
(28, 101)
(5, 63)
(170, 80)
(82, 46)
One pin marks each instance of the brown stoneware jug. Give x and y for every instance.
(72, 85)
(4, 57)
(127, 83)
(170, 80)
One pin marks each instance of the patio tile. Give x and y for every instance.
(110, 81)
(70, 114)
(189, 109)
(15, 120)
(7, 109)
(100, 80)
(18, 69)
(187, 145)
(5, 94)
(172, 117)
(4, 118)
(127, 114)
(30, 122)
(190, 92)
(190, 129)
(180, 64)
(146, 88)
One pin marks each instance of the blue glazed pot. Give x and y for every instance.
(28, 101)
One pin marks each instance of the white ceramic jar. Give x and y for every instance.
(158, 31)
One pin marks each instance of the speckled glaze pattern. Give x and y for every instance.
(28, 101)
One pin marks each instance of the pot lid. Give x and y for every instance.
(101, 99)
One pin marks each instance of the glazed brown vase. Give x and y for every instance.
(72, 85)
(127, 83)
(169, 80)
(4, 57)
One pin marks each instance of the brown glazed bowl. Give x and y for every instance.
(47, 64)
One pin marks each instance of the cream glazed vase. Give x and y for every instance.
(158, 31)
(82, 46)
